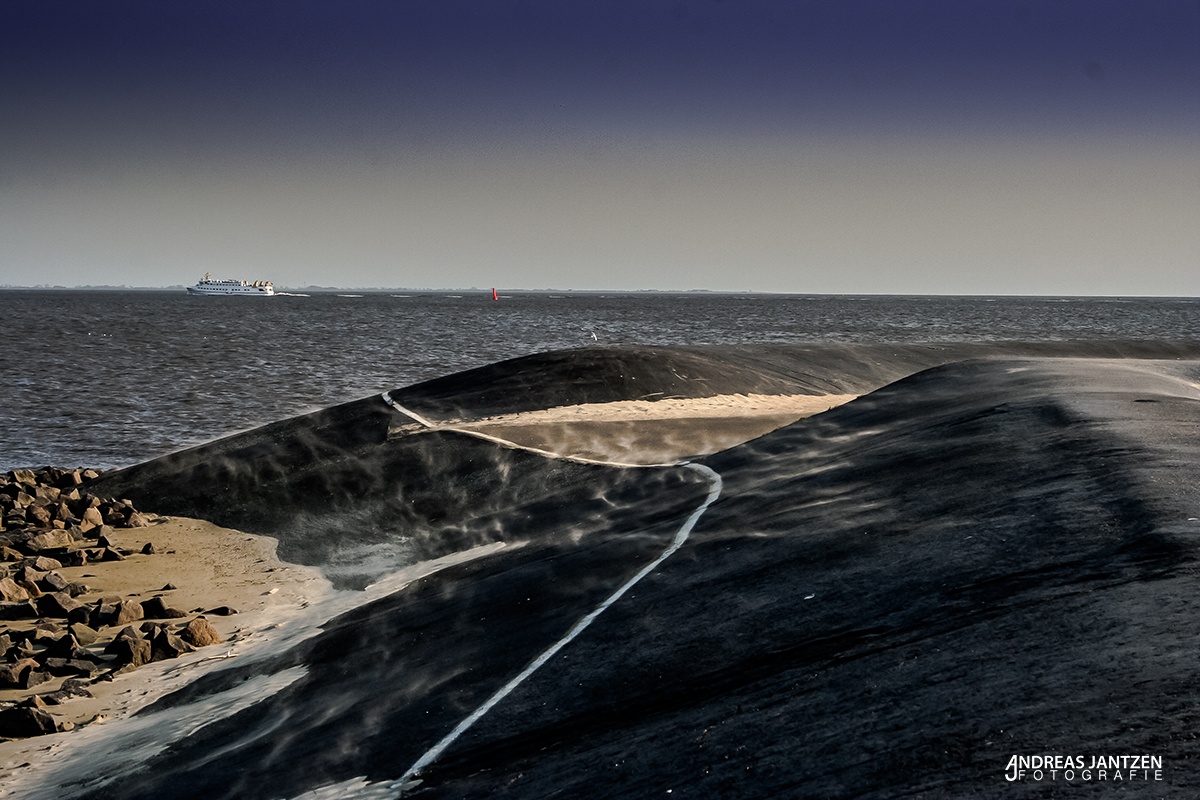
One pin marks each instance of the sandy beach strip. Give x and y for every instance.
(644, 431)
(211, 567)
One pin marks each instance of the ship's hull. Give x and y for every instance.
(251, 292)
(231, 291)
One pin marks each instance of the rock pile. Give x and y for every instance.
(49, 628)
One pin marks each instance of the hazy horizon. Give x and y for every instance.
(857, 147)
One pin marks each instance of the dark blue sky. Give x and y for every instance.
(709, 118)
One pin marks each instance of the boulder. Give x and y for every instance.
(103, 612)
(22, 610)
(109, 554)
(27, 574)
(200, 633)
(128, 611)
(11, 592)
(58, 605)
(60, 667)
(48, 540)
(83, 634)
(130, 651)
(157, 608)
(53, 582)
(42, 563)
(148, 549)
(34, 677)
(23, 722)
(222, 611)
(75, 558)
(90, 519)
(62, 647)
(13, 674)
(166, 645)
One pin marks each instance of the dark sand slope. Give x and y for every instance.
(1001, 559)
(984, 559)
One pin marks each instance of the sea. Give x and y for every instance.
(106, 379)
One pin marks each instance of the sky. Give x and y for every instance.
(799, 146)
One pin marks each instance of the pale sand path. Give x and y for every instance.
(643, 431)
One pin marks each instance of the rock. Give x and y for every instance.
(22, 610)
(71, 478)
(200, 633)
(170, 587)
(58, 605)
(128, 632)
(83, 634)
(13, 674)
(7, 554)
(75, 558)
(102, 613)
(90, 519)
(47, 540)
(148, 549)
(39, 516)
(75, 686)
(104, 542)
(53, 582)
(109, 554)
(222, 611)
(157, 608)
(27, 574)
(60, 667)
(77, 589)
(24, 722)
(128, 611)
(42, 564)
(34, 677)
(24, 476)
(167, 645)
(131, 651)
(137, 519)
(62, 647)
(11, 592)
(46, 632)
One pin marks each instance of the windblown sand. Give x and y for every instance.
(643, 431)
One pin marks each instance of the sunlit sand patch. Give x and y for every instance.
(643, 431)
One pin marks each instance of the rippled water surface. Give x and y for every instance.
(111, 378)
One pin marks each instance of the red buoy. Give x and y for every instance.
(494, 297)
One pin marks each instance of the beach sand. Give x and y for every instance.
(642, 431)
(212, 567)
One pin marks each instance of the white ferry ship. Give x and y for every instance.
(240, 288)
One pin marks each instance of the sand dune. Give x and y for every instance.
(973, 560)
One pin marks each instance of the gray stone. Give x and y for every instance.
(23, 722)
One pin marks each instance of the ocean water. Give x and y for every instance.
(104, 379)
